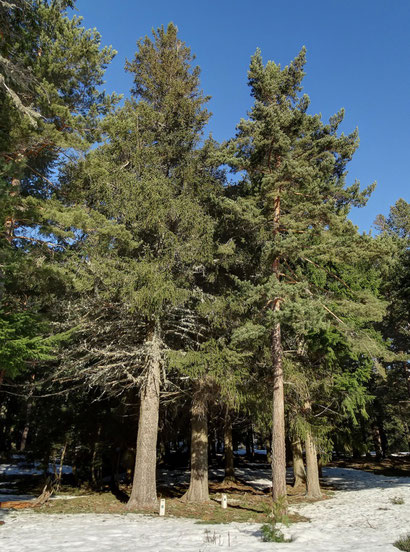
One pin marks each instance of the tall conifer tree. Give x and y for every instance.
(151, 182)
(50, 71)
(295, 183)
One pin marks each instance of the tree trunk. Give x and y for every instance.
(312, 471)
(144, 487)
(228, 449)
(377, 441)
(320, 467)
(299, 471)
(29, 408)
(250, 449)
(383, 437)
(212, 448)
(278, 421)
(278, 410)
(198, 486)
(2, 372)
(96, 475)
(26, 429)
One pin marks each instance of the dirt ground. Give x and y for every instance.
(393, 465)
(246, 503)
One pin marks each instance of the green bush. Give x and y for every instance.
(397, 500)
(403, 543)
(270, 533)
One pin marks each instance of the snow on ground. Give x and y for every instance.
(360, 518)
(30, 468)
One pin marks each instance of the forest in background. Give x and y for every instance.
(165, 297)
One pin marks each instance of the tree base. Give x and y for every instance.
(229, 479)
(195, 497)
(299, 484)
(134, 504)
(314, 495)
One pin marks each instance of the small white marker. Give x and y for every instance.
(162, 507)
(224, 501)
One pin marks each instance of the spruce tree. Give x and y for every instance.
(138, 271)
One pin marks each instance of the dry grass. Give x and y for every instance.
(245, 504)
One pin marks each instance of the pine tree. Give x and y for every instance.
(390, 412)
(50, 71)
(295, 183)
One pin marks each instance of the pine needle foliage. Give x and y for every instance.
(144, 265)
(312, 272)
(51, 69)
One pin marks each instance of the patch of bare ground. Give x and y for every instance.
(245, 504)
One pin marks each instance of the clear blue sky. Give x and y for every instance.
(358, 54)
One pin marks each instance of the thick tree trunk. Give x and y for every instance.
(198, 490)
(299, 471)
(312, 471)
(278, 421)
(228, 449)
(144, 487)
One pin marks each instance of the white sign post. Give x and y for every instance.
(224, 501)
(162, 507)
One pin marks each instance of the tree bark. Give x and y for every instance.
(26, 429)
(278, 410)
(96, 475)
(250, 448)
(278, 421)
(312, 471)
(198, 490)
(377, 441)
(144, 487)
(228, 449)
(29, 407)
(299, 471)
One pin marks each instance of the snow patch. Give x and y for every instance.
(360, 518)
(34, 468)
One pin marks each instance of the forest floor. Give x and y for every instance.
(362, 512)
(393, 465)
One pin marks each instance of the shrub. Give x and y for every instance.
(270, 533)
(277, 512)
(397, 500)
(403, 543)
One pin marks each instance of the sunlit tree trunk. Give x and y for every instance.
(278, 399)
(144, 487)
(198, 490)
(228, 449)
(312, 470)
